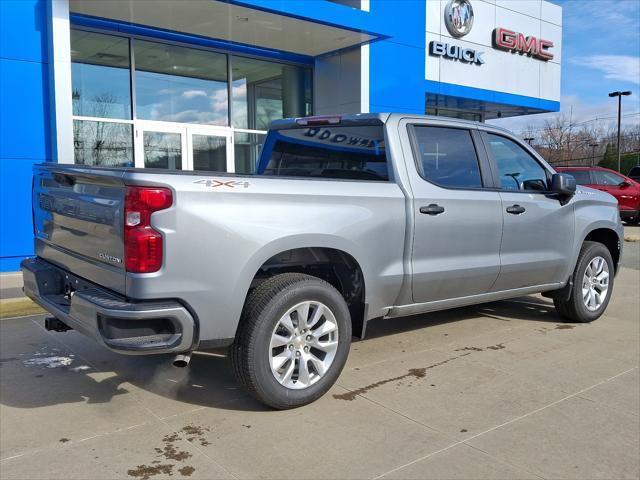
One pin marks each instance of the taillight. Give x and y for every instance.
(143, 244)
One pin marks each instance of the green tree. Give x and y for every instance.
(627, 160)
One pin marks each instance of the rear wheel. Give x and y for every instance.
(592, 285)
(293, 340)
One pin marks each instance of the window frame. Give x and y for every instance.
(494, 164)
(484, 168)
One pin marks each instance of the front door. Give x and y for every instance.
(538, 230)
(457, 221)
(179, 147)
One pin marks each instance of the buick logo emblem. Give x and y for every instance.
(458, 17)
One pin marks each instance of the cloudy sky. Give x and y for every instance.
(601, 54)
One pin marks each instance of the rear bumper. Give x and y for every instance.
(121, 325)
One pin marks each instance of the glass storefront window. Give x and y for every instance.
(179, 84)
(100, 75)
(247, 151)
(162, 150)
(209, 153)
(103, 144)
(267, 91)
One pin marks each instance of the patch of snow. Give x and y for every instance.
(48, 362)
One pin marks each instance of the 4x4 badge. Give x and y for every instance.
(213, 183)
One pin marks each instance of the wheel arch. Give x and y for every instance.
(332, 261)
(610, 239)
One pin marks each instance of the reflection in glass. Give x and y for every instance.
(178, 84)
(209, 153)
(103, 144)
(162, 150)
(266, 91)
(247, 151)
(447, 157)
(100, 75)
(518, 170)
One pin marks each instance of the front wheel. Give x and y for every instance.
(592, 285)
(293, 340)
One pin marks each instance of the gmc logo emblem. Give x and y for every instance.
(511, 41)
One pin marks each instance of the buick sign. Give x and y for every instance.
(458, 17)
(455, 52)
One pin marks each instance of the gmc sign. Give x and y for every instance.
(511, 41)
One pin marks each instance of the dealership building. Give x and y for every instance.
(193, 84)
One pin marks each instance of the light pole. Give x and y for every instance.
(593, 153)
(619, 95)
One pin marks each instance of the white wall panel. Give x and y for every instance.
(550, 81)
(434, 16)
(517, 22)
(528, 7)
(552, 32)
(551, 13)
(503, 71)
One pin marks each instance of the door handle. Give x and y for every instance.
(516, 209)
(432, 209)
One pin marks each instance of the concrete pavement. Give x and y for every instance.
(502, 390)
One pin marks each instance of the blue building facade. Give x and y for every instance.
(254, 61)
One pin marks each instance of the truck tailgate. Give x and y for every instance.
(78, 221)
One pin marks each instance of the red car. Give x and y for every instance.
(626, 190)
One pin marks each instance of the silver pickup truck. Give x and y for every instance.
(347, 219)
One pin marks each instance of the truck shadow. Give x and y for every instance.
(86, 373)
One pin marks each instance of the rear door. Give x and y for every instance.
(78, 222)
(457, 220)
(538, 231)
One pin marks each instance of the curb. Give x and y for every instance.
(18, 307)
(632, 238)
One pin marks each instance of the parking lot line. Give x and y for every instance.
(464, 441)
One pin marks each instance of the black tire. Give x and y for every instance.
(573, 309)
(635, 221)
(263, 309)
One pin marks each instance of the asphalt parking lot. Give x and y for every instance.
(502, 390)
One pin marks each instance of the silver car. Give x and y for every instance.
(347, 219)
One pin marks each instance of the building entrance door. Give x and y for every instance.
(183, 147)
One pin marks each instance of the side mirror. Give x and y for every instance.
(563, 184)
(624, 184)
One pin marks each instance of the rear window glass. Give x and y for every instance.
(582, 176)
(341, 152)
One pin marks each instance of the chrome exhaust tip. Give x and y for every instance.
(182, 360)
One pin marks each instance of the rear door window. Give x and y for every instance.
(447, 157)
(341, 152)
(582, 176)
